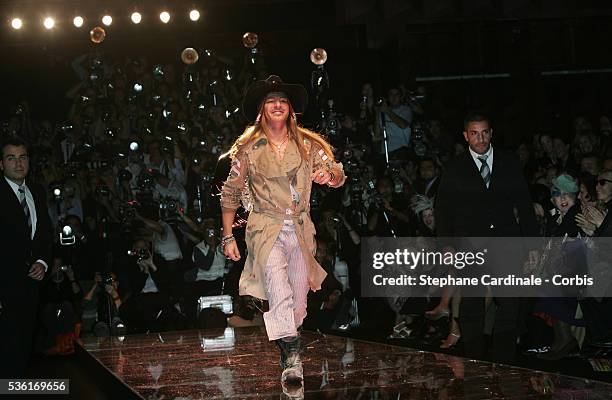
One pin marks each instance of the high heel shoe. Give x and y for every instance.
(451, 340)
(434, 315)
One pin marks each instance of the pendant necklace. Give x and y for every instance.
(278, 146)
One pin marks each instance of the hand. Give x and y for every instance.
(321, 176)
(37, 271)
(583, 223)
(387, 204)
(110, 289)
(594, 215)
(69, 273)
(539, 210)
(147, 265)
(534, 257)
(231, 251)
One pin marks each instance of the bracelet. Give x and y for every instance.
(231, 235)
(331, 178)
(227, 240)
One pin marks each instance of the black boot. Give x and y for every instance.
(290, 360)
(564, 343)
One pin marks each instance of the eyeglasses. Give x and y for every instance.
(602, 182)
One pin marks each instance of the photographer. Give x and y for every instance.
(144, 298)
(166, 245)
(167, 164)
(388, 215)
(105, 290)
(206, 276)
(60, 303)
(396, 122)
(65, 201)
(171, 190)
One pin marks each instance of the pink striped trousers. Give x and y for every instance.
(286, 277)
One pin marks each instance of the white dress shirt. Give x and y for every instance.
(31, 207)
(489, 155)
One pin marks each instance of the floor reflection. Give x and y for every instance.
(241, 363)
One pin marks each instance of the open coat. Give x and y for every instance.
(262, 183)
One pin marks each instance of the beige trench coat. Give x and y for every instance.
(267, 183)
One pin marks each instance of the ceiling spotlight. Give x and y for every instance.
(194, 15)
(164, 16)
(49, 23)
(136, 17)
(107, 20)
(16, 23)
(78, 21)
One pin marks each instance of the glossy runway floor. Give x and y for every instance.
(242, 364)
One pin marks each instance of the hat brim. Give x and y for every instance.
(257, 92)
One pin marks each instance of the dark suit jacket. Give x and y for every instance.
(466, 207)
(19, 251)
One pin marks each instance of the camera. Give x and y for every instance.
(168, 208)
(127, 212)
(108, 280)
(96, 164)
(140, 254)
(102, 191)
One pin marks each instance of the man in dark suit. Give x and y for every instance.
(25, 237)
(483, 194)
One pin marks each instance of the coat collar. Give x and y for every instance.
(265, 161)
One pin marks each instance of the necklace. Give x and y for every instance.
(278, 146)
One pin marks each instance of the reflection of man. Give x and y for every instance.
(26, 248)
(478, 195)
(397, 120)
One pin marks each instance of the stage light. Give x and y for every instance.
(136, 17)
(194, 15)
(107, 20)
(49, 23)
(78, 21)
(16, 23)
(164, 16)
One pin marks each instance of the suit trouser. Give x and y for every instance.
(472, 313)
(286, 278)
(17, 324)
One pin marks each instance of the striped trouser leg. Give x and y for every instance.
(287, 287)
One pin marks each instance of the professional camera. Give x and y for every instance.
(373, 194)
(102, 191)
(124, 176)
(98, 164)
(416, 97)
(168, 208)
(127, 212)
(418, 139)
(140, 254)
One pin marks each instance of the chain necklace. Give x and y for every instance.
(278, 146)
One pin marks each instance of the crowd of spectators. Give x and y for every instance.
(132, 192)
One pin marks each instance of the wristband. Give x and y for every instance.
(227, 240)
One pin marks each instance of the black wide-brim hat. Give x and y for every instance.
(257, 92)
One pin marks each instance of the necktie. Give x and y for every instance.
(485, 172)
(26, 209)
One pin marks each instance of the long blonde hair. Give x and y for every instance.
(296, 133)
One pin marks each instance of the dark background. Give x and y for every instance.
(551, 60)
